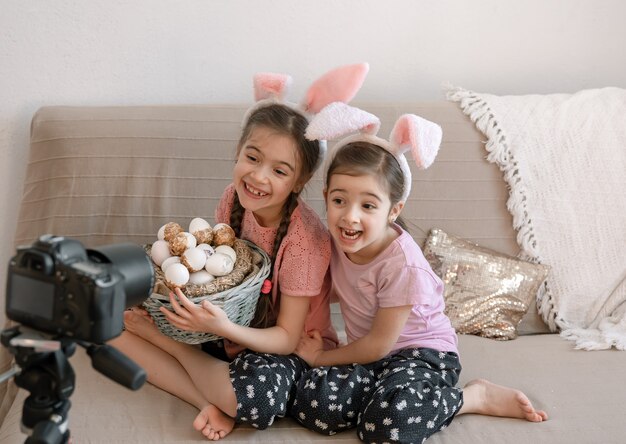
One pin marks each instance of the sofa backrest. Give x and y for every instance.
(111, 174)
(105, 175)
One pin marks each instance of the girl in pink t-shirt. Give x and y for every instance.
(395, 379)
(252, 377)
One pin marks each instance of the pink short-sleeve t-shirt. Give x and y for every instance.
(301, 265)
(400, 275)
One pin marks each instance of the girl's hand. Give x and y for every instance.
(310, 348)
(205, 318)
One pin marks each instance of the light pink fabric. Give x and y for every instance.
(400, 275)
(301, 267)
(418, 135)
(269, 85)
(338, 85)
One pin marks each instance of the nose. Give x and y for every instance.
(351, 214)
(259, 174)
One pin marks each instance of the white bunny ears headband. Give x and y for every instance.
(339, 85)
(410, 133)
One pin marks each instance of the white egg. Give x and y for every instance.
(160, 251)
(194, 259)
(177, 275)
(161, 233)
(169, 261)
(200, 277)
(208, 250)
(228, 251)
(191, 240)
(219, 264)
(198, 224)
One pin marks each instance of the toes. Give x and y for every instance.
(201, 420)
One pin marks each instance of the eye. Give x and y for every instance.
(280, 172)
(337, 200)
(251, 158)
(369, 206)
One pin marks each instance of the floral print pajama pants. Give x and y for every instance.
(265, 386)
(404, 398)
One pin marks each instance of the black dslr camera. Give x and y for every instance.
(62, 295)
(59, 287)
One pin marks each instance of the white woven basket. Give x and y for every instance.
(239, 302)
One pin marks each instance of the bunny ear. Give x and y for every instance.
(339, 85)
(338, 119)
(268, 85)
(419, 135)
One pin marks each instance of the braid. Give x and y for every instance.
(290, 205)
(236, 216)
(285, 121)
(265, 306)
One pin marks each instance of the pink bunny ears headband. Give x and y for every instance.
(410, 133)
(338, 85)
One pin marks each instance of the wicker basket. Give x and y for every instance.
(237, 299)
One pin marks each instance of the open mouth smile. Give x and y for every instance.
(254, 191)
(350, 234)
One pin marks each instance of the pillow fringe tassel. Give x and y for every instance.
(478, 110)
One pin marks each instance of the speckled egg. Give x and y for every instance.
(182, 242)
(171, 230)
(204, 236)
(208, 250)
(223, 234)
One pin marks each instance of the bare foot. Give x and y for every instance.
(213, 423)
(486, 398)
(140, 324)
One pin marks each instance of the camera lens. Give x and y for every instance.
(133, 263)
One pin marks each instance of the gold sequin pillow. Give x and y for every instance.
(486, 293)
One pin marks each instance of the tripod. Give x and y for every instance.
(43, 370)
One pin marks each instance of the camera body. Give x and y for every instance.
(59, 287)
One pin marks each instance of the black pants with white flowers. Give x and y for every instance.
(265, 386)
(404, 398)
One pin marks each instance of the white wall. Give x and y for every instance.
(74, 52)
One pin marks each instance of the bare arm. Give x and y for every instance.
(281, 338)
(386, 328)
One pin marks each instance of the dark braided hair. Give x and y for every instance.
(365, 158)
(283, 120)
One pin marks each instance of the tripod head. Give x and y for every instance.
(44, 370)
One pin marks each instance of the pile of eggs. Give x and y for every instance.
(196, 256)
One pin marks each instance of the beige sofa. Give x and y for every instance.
(111, 174)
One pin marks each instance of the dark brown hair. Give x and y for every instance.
(365, 158)
(283, 120)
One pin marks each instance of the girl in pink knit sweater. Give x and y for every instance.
(251, 376)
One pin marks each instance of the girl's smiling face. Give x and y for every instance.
(359, 213)
(266, 172)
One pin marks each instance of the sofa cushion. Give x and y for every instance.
(116, 174)
(572, 386)
(486, 292)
